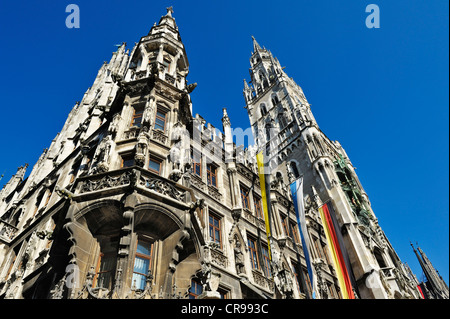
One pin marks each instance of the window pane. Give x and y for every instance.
(217, 236)
(138, 281)
(154, 165)
(159, 123)
(141, 265)
(143, 248)
(160, 114)
(128, 162)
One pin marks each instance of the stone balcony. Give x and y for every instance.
(118, 181)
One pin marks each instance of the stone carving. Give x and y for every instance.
(159, 136)
(238, 256)
(214, 192)
(281, 276)
(318, 264)
(141, 146)
(7, 231)
(105, 182)
(103, 155)
(131, 133)
(87, 292)
(58, 291)
(142, 293)
(148, 112)
(162, 187)
(209, 278)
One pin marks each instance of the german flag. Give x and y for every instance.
(338, 252)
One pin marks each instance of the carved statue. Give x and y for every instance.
(238, 256)
(103, 154)
(148, 112)
(141, 146)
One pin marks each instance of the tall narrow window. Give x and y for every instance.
(166, 63)
(138, 111)
(106, 264)
(294, 269)
(253, 253)
(214, 229)
(318, 247)
(142, 263)
(211, 174)
(379, 258)
(258, 207)
(285, 225)
(294, 169)
(196, 162)
(263, 109)
(308, 281)
(266, 261)
(331, 291)
(160, 120)
(244, 197)
(195, 290)
(294, 233)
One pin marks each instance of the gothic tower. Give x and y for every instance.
(101, 215)
(283, 125)
(435, 287)
(137, 197)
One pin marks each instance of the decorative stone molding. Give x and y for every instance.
(262, 281)
(162, 187)
(107, 181)
(197, 182)
(218, 258)
(159, 136)
(214, 192)
(7, 231)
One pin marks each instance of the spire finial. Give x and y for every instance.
(256, 46)
(169, 11)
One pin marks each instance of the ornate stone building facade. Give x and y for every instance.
(137, 197)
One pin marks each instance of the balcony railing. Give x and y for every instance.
(117, 181)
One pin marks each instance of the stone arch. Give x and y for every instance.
(160, 221)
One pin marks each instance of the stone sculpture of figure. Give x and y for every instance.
(148, 112)
(238, 257)
(175, 155)
(141, 146)
(114, 126)
(103, 154)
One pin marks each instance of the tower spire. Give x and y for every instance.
(256, 46)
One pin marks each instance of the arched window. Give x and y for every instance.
(263, 109)
(275, 100)
(263, 79)
(294, 169)
(379, 257)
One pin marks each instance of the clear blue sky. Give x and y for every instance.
(382, 93)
